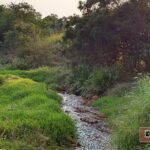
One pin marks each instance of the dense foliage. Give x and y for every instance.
(111, 33)
(27, 40)
(90, 82)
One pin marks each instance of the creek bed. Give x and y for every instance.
(92, 129)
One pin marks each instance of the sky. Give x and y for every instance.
(47, 7)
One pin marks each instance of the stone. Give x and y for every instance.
(89, 120)
(81, 110)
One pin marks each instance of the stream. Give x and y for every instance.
(92, 129)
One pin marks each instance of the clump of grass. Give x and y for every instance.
(53, 77)
(2, 79)
(98, 81)
(77, 78)
(110, 105)
(127, 113)
(31, 117)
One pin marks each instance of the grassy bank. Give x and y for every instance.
(127, 112)
(80, 80)
(54, 77)
(127, 106)
(30, 116)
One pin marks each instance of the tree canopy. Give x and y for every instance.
(25, 36)
(111, 32)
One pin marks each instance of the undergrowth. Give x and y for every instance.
(89, 82)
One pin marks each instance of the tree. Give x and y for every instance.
(25, 12)
(111, 33)
(52, 24)
(26, 37)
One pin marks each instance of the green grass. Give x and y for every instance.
(127, 113)
(81, 80)
(31, 117)
(99, 81)
(110, 105)
(53, 77)
(90, 82)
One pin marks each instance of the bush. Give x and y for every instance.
(127, 114)
(20, 64)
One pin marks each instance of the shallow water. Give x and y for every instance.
(91, 129)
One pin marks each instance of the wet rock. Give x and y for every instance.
(67, 111)
(89, 120)
(76, 144)
(107, 130)
(81, 110)
(88, 102)
(100, 116)
(95, 97)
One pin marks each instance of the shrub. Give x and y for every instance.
(20, 64)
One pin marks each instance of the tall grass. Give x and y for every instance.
(77, 78)
(127, 114)
(88, 82)
(31, 117)
(81, 80)
(99, 80)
